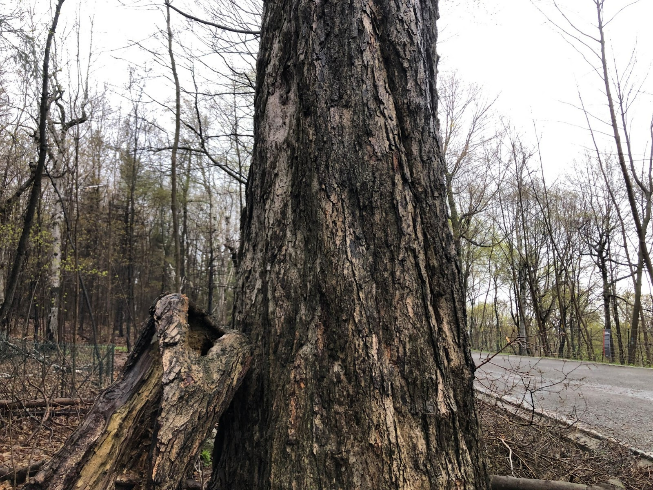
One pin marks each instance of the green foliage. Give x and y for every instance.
(205, 456)
(84, 265)
(9, 233)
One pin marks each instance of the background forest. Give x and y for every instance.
(145, 176)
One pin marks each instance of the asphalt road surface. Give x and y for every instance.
(615, 401)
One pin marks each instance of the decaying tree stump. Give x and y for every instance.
(144, 430)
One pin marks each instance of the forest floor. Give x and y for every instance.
(538, 447)
(528, 447)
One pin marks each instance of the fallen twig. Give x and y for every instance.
(62, 402)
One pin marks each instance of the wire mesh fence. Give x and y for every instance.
(31, 370)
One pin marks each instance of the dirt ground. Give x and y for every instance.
(537, 448)
(25, 440)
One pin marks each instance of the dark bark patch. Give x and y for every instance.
(202, 333)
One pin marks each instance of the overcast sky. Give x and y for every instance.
(509, 48)
(506, 46)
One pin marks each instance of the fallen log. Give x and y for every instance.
(143, 431)
(511, 483)
(52, 403)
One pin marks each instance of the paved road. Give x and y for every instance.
(616, 401)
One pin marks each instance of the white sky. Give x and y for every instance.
(509, 48)
(506, 46)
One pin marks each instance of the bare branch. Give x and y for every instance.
(213, 24)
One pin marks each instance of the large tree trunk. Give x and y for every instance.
(144, 430)
(362, 376)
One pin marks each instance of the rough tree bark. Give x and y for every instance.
(143, 432)
(362, 375)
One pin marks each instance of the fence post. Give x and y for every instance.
(73, 378)
(113, 349)
(100, 366)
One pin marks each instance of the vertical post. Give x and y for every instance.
(73, 389)
(113, 353)
(100, 366)
(607, 342)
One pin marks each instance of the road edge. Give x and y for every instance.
(507, 403)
